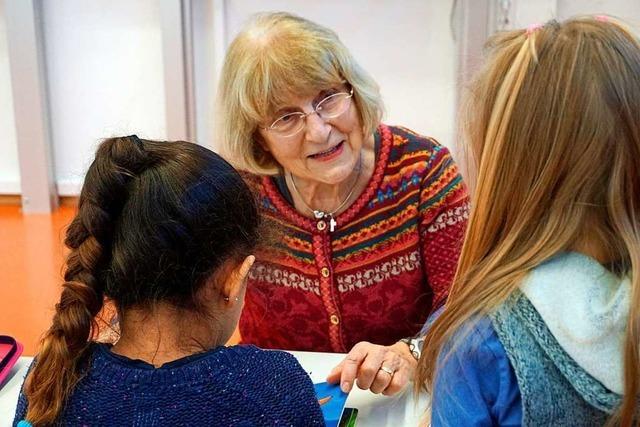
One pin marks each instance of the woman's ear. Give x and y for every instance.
(233, 288)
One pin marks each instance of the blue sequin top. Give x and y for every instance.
(226, 386)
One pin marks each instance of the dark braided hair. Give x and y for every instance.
(155, 221)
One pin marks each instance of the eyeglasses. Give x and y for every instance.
(330, 107)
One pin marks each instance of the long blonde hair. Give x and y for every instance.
(277, 56)
(553, 131)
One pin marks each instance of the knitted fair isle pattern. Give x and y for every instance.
(388, 264)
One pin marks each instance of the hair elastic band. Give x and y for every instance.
(533, 27)
(602, 18)
(136, 141)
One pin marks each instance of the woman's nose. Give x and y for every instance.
(317, 129)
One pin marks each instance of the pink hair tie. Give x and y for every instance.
(532, 28)
(602, 18)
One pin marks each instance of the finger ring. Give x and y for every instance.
(387, 370)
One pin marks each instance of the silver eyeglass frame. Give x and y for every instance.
(303, 116)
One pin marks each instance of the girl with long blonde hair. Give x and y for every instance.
(542, 325)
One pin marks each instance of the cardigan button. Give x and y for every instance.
(321, 225)
(324, 271)
(334, 319)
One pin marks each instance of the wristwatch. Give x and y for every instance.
(415, 345)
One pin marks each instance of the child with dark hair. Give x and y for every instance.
(164, 229)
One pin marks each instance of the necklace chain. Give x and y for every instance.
(318, 214)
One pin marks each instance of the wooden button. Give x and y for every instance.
(334, 319)
(324, 271)
(321, 225)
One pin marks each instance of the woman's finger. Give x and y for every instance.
(383, 379)
(406, 369)
(351, 364)
(386, 372)
(398, 382)
(336, 373)
(370, 366)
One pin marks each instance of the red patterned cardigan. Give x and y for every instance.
(388, 264)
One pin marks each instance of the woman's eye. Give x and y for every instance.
(322, 98)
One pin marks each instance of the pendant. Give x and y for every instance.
(332, 224)
(318, 214)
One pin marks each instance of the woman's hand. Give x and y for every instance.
(381, 369)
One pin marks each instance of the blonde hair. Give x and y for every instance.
(553, 131)
(278, 56)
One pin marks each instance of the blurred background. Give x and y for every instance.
(75, 71)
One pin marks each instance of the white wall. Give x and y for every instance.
(208, 19)
(105, 73)
(105, 69)
(9, 167)
(528, 12)
(627, 10)
(104, 66)
(406, 46)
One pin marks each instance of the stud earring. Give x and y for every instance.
(236, 299)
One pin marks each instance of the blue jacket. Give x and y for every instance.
(550, 355)
(476, 385)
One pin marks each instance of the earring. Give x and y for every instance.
(236, 299)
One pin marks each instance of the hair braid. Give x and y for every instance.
(62, 357)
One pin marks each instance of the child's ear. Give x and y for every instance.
(233, 287)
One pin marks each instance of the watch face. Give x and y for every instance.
(415, 346)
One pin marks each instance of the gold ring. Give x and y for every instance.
(387, 370)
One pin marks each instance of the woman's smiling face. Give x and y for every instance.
(325, 150)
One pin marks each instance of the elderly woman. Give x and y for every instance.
(369, 217)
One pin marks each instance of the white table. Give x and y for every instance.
(373, 410)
